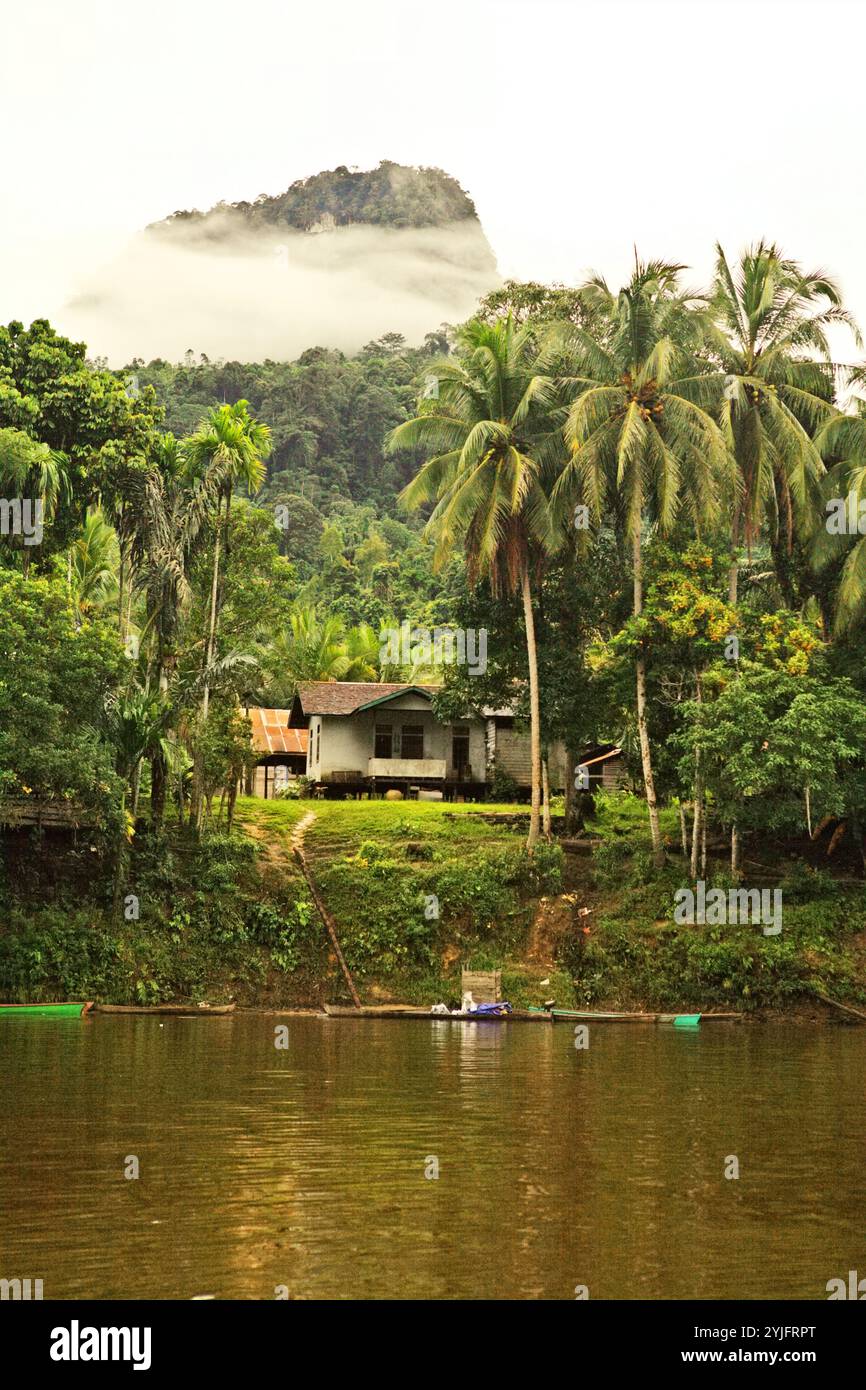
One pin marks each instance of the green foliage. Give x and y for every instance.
(87, 417)
(285, 931)
(56, 674)
(608, 860)
(502, 786)
(768, 735)
(392, 195)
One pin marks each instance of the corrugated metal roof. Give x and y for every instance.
(271, 732)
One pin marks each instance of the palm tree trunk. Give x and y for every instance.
(569, 816)
(733, 569)
(158, 773)
(136, 788)
(545, 796)
(197, 798)
(211, 631)
(120, 578)
(534, 710)
(120, 859)
(699, 822)
(643, 731)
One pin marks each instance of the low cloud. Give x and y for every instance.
(251, 295)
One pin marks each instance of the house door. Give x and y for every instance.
(460, 751)
(383, 741)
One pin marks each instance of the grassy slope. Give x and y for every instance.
(376, 861)
(233, 918)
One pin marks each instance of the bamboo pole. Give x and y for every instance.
(328, 921)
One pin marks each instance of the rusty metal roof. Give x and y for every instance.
(271, 732)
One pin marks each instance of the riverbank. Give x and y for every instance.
(417, 891)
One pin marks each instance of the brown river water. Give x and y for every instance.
(310, 1169)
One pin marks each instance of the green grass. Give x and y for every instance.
(381, 864)
(621, 815)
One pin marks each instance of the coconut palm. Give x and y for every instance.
(229, 447)
(774, 388)
(488, 435)
(843, 537)
(638, 443)
(318, 649)
(93, 562)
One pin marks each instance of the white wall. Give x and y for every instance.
(348, 741)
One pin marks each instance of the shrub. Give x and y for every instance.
(608, 859)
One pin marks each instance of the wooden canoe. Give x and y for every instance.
(44, 1010)
(173, 1010)
(587, 1016)
(415, 1011)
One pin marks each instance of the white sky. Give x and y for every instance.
(579, 129)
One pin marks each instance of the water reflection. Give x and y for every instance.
(306, 1167)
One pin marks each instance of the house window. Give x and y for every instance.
(413, 741)
(460, 749)
(383, 741)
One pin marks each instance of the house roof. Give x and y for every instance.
(613, 752)
(347, 697)
(271, 732)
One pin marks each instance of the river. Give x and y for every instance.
(311, 1171)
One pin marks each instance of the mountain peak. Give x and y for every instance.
(391, 195)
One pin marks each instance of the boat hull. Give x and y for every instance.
(44, 1010)
(169, 1010)
(414, 1012)
(681, 1020)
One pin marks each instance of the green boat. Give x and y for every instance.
(44, 1010)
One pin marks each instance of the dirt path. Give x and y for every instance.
(278, 850)
(299, 830)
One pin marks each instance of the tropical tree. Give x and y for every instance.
(318, 649)
(489, 433)
(93, 562)
(843, 536)
(774, 389)
(227, 450)
(31, 471)
(637, 440)
(135, 724)
(168, 516)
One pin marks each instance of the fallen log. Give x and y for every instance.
(846, 1008)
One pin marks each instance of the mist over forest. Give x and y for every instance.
(336, 260)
